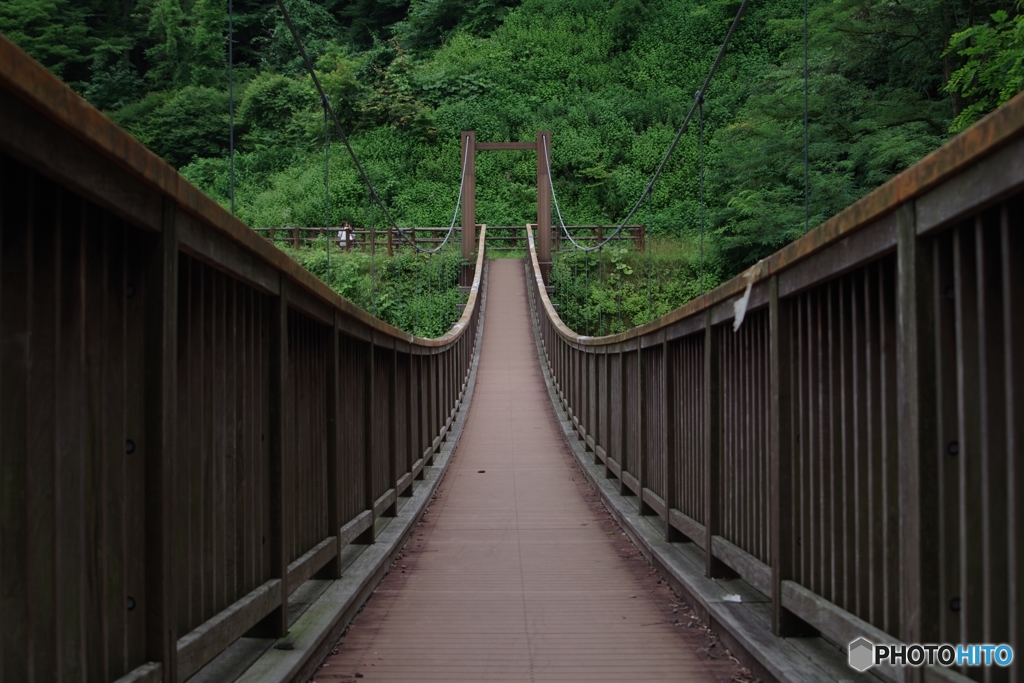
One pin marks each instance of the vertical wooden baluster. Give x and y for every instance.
(667, 389)
(781, 459)
(416, 442)
(74, 460)
(712, 445)
(585, 422)
(369, 397)
(623, 423)
(1012, 249)
(609, 447)
(916, 400)
(332, 570)
(446, 386)
(846, 421)
(16, 272)
(643, 466)
(390, 426)
(570, 381)
(275, 624)
(438, 393)
(992, 404)
(409, 455)
(161, 426)
(431, 360)
(110, 402)
(972, 494)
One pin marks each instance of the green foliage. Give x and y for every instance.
(429, 22)
(390, 99)
(52, 31)
(269, 114)
(313, 22)
(415, 292)
(208, 60)
(874, 106)
(367, 21)
(170, 52)
(613, 289)
(114, 83)
(180, 126)
(858, 140)
(994, 70)
(625, 21)
(611, 79)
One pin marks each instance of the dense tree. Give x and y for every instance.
(994, 68)
(612, 80)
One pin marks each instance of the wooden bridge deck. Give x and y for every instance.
(511, 577)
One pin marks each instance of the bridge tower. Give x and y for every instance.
(542, 147)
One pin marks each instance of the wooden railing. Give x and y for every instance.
(842, 424)
(384, 240)
(191, 424)
(515, 237)
(502, 237)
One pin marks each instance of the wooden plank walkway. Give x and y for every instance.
(510, 577)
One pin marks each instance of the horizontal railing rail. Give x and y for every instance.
(355, 238)
(841, 424)
(191, 424)
(636, 235)
(364, 238)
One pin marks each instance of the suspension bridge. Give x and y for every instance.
(210, 462)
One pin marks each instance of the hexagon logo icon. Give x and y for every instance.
(862, 654)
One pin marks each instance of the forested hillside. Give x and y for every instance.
(889, 80)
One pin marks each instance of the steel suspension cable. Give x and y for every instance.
(807, 137)
(661, 167)
(355, 160)
(231, 101)
(373, 256)
(650, 262)
(700, 145)
(618, 295)
(575, 282)
(586, 296)
(600, 307)
(327, 189)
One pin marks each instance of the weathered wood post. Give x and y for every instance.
(920, 589)
(712, 445)
(780, 484)
(161, 400)
(543, 203)
(335, 481)
(468, 206)
(667, 389)
(369, 401)
(276, 623)
(390, 426)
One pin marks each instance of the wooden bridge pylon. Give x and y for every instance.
(470, 146)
